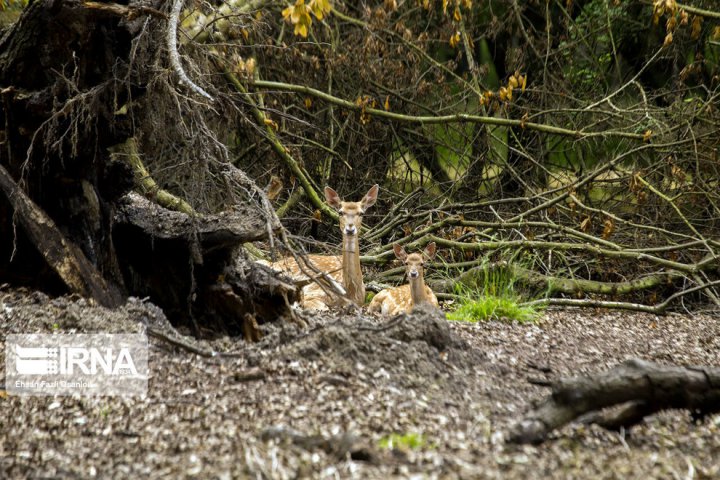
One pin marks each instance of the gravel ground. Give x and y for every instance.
(318, 402)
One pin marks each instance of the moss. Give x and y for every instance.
(408, 441)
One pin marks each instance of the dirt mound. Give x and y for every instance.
(411, 349)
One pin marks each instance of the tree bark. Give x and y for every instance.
(62, 256)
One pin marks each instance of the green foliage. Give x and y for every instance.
(408, 441)
(10, 11)
(492, 297)
(491, 307)
(13, 4)
(589, 58)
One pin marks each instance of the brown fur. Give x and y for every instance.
(344, 269)
(392, 301)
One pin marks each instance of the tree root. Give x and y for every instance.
(145, 183)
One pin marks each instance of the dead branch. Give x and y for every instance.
(649, 387)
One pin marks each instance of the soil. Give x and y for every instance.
(322, 402)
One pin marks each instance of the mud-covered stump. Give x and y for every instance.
(194, 268)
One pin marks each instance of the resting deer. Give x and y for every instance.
(392, 301)
(343, 269)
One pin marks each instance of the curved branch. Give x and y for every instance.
(145, 183)
(458, 117)
(551, 284)
(171, 39)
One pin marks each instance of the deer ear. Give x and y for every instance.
(332, 198)
(370, 197)
(400, 253)
(430, 251)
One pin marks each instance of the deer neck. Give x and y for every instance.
(352, 275)
(417, 290)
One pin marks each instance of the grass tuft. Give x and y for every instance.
(492, 297)
(491, 307)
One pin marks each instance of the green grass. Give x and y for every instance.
(492, 297)
(408, 441)
(491, 307)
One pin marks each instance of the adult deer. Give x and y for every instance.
(392, 301)
(343, 269)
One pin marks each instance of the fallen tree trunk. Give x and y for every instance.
(641, 388)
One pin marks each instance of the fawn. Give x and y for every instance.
(392, 301)
(343, 269)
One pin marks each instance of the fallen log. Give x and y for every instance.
(638, 387)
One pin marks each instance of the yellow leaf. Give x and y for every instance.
(455, 40)
(297, 11)
(444, 4)
(245, 34)
(308, 102)
(608, 228)
(671, 6)
(523, 82)
(670, 24)
(513, 81)
(586, 225)
(668, 39)
(386, 105)
(683, 17)
(270, 123)
(696, 27)
(456, 15)
(502, 93)
(716, 33)
(250, 66)
(301, 29)
(647, 135)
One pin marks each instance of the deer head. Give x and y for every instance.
(351, 214)
(392, 301)
(415, 262)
